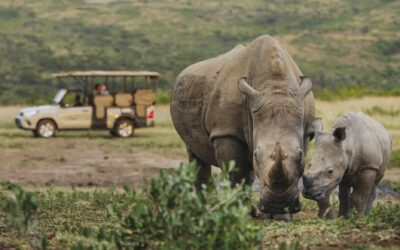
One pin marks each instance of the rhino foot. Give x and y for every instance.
(330, 213)
(256, 214)
(284, 217)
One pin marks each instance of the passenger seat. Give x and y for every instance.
(143, 99)
(123, 100)
(101, 102)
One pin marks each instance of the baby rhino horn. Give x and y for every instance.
(278, 173)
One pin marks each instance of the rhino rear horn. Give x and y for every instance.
(246, 88)
(306, 85)
(278, 174)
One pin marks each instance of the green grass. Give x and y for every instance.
(395, 158)
(338, 43)
(341, 93)
(379, 228)
(66, 216)
(376, 110)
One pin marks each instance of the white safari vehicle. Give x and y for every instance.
(118, 101)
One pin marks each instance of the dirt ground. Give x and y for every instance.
(74, 167)
(83, 162)
(84, 159)
(87, 159)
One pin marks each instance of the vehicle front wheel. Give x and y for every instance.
(45, 129)
(124, 128)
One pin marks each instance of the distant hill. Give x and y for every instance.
(336, 42)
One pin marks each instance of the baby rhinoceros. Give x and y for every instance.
(354, 155)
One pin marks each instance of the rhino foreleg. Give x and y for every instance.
(325, 208)
(230, 148)
(344, 199)
(204, 171)
(365, 184)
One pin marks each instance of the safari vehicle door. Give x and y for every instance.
(74, 112)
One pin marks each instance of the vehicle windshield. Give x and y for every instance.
(59, 96)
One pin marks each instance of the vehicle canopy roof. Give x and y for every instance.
(117, 81)
(151, 74)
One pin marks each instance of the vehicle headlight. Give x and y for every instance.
(30, 113)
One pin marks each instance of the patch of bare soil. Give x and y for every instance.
(74, 167)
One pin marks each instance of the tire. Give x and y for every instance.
(45, 129)
(124, 128)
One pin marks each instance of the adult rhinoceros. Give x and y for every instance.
(251, 105)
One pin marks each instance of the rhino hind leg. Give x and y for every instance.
(370, 200)
(204, 171)
(361, 191)
(230, 148)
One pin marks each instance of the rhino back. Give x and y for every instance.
(190, 98)
(367, 144)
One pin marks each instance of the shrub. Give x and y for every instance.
(395, 185)
(168, 214)
(171, 214)
(20, 208)
(388, 47)
(163, 97)
(387, 216)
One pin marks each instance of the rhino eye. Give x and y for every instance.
(330, 172)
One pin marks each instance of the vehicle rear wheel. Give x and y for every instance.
(124, 128)
(45, 129)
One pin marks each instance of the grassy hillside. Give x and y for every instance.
(336, 42)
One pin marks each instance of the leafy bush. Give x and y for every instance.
(168, 214)
(388, 47)
(384, 217)
(395, 185)
(163, 97)
(20, 207)
(172, 214)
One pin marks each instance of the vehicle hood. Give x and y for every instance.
(42, 108)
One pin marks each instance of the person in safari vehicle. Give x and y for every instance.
(120, 110)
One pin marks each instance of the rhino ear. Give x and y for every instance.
(339, 134)
(246, 89)
(306, 85)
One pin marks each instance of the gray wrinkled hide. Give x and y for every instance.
(207, 103)
(353, 154)
(367, 145)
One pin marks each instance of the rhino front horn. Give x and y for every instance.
(278, 174)
(246, 88)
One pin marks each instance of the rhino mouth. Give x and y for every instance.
(270, 207)
(316, 194)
